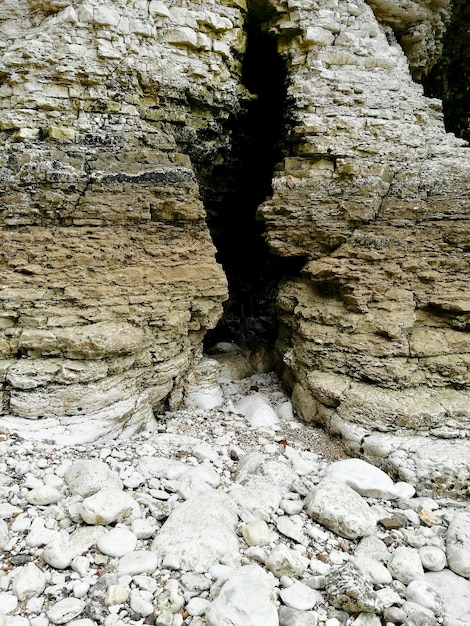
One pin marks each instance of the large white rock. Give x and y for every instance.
(65, 610)
(247, 598)
(433, 558)
(376, 571)
(8, 603)
(86, 477)
(198, 533)
(197, 480)
(256, 533)
(458, 544)
(299, 596)
(117, 542)
(139, 562)
(30, 581)
(257, 410)
(254, 468)
(363, 477)
(264, 498)
(43, 495)
(405, 565)
(108, 506)
(423, 593)
(455, 594)
(340, 509)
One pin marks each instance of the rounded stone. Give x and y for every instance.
(117, 543)
(433, 558)
(65, 610)
(87, 476)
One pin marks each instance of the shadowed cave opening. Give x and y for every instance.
(449, 79)
(241, 184)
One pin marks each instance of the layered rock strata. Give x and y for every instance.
(109, 276)
(375, 198)
(109, 279)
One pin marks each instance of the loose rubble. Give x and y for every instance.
(210, 521)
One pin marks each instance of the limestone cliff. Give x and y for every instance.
(118, 118)
(109, 279)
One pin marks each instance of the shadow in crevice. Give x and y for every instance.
(258, 141)
(449, 79)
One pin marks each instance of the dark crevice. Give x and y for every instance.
(241, 182)
(449, 79)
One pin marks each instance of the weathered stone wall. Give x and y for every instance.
(376, 198)
(108, 274)
(108, 271)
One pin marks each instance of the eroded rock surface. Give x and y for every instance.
(109, 278)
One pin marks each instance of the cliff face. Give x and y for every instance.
(109, 279)
(116, 119)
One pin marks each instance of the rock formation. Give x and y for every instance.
(119, 131)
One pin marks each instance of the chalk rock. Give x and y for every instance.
(422, 593)
(374, 548)
(454, 592)
(256, 533)
(108, 506)
(282, 561)
(202, 390)
(87, 476)
(64, 547)
(257, 410)
(65, 610)
(29, 582)
(433, 558)
(255, 469)
(376, 571)
(43, 495)
(458, 544)
(340, 509)
(363, 477)
(198, 533)
(263, 497)
(197, 480)
(294, 617)
(247, 598)
(117, 542)
(117, 594)
(299, 596)
(405, 565)
(135, 563)
(8, 603)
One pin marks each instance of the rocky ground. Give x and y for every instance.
(238, 515)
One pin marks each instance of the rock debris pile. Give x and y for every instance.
(209, 521)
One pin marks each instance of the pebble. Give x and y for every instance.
(211, 521)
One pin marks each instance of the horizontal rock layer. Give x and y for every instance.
(375, 198)
(109, 279)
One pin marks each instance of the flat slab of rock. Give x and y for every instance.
(198, 533)
(368, 480)
(247, 598)
(340, 509)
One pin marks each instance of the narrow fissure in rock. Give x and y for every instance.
(449, 79)
(241, 183)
